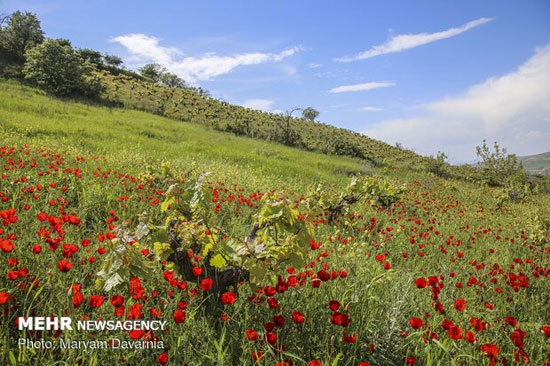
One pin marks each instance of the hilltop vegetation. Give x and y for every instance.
(188, 105)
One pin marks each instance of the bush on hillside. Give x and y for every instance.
(438, 165)
(55, 67)
(500, 169)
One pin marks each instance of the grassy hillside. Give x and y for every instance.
(536, 164)
(188, 105)
(27, 115)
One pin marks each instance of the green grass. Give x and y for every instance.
(122, 135)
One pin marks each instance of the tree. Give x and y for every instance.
(152, 71)
(22, 31)
(438, 164)
(290, 136)
(55, 67)
(92, 56)
(500, 168)
(112, 60)
(310, 114)
(171, 80)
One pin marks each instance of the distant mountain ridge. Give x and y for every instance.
(536, 164)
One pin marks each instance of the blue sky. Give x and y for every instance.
(432, 75)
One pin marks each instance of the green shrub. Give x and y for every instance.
(55, 67)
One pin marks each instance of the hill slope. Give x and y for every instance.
(188, 105)
(536, 164)
(27, 115)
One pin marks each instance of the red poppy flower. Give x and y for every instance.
(119, 311)
(136, 333)
(323, 275)
(510, 320)
(350, 339)
(64, 265)
(491, 351)
(298, 317)
(380, 257)
(163, 358)
(271, 337)
(134, 312)
(251, 334)
(546, 330)
(460, 304)
(96, 300)
(228, 298)
(117, 300)
(455, 332)
(279, 321)
(420, 282)
(197, 271)
(517, 337)
(179, 316)
(416, 323)
(470, 337)
(315, 363)
(270, 291)
(334, 305)
(340, 319)
(4, 297)
(206, 284)
(78, 299)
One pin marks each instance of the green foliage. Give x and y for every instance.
(112, 60)
(310, 114)
(152, 72)
(21, 32)
(91, 56)
(55, 67)
(381, 192)
(171, 80)
(538, 223)
(499, 168)
(438, 165)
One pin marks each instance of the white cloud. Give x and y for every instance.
(361, 87)
(513, 109)
(262, 104)
(314, 65)
(144, 48)
(405, 41)
(371, 109)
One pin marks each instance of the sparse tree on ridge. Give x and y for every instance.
(310, 114)
(112, 60)
(92, 56)
(171, 80)
(152, 71)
